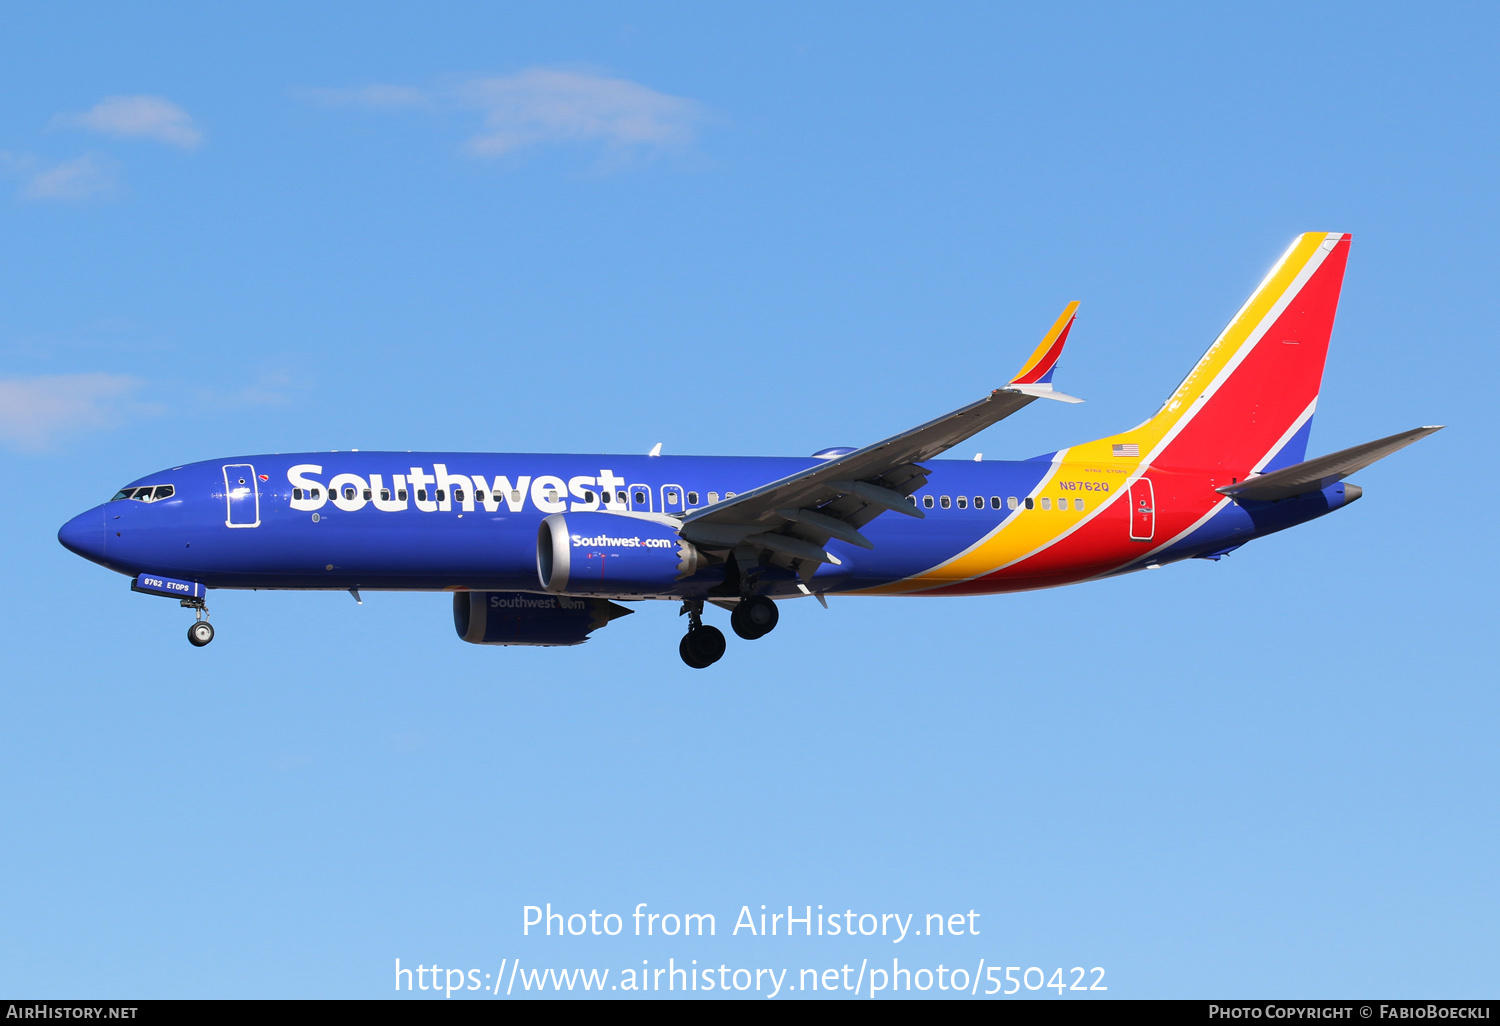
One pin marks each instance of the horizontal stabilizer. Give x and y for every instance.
(1316, 474)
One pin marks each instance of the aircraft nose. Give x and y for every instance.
(84, 534)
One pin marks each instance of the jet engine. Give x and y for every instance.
(519, 618)
(611, 554)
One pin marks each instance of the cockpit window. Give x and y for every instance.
(145, 493)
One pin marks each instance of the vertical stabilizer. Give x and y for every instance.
(1248, 404)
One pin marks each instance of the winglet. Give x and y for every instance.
(1043, 361)
(1035, 376)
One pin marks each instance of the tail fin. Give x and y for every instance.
(1248, 404)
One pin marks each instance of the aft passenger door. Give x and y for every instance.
(1142, 510)
(242, 493)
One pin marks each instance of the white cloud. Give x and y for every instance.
(138, 117)
(273, 388)
(547, 105)
(37, 412)
(74, 179)
(543, 105)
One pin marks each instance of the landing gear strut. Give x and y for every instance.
(201, 632)
(702, 645)
(754, 617)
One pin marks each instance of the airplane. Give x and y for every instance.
(541, 549)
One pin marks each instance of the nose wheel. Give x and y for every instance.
(201, 632)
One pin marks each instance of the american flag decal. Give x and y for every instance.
(1127, 449)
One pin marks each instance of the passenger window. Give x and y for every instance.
(368, 495)
(515, 496)
(979, 502)
(385, 495)
(317, 493)
(458, 495)
(640, 497)
(421, 494)
(945, 502)
(995, 502)
(671, 497)
(1078, 505)
(620, 498)
(713, 497)
(296, 493)
(927, 501)
(963, 502)
(1011, 502)
(728, 495)
(1030, 503)
(692, 498)
(912, 499)
(400, 494)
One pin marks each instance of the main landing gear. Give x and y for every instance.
(201, 632)
(754, 617)
(702, 645)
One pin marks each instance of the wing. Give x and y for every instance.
(791, 520)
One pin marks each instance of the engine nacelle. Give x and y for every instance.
(611, 554)
(519, 618)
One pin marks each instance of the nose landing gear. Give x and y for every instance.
(201, 632)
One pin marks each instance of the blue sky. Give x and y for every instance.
(590, 228)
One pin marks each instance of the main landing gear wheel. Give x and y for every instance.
(754, 617)
(701, 647)
(201, 633)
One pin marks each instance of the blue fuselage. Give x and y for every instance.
(444, 521)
